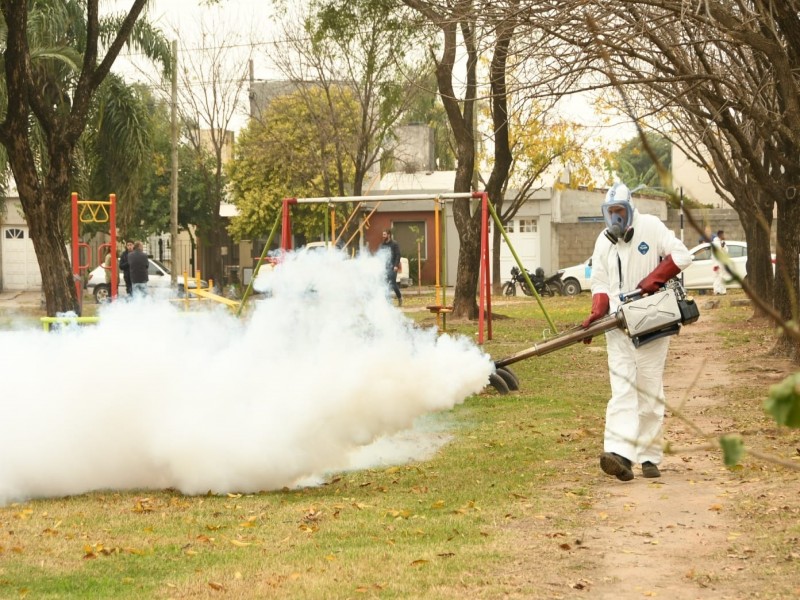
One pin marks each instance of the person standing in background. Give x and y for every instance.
(718, 249)
(125, 268)
(138, 265)
(392, 263)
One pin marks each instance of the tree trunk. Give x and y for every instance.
(358, 180)
(787, 278)
(502, 147)
(43, 215)
(497, 276)
(467, 223)
(468, 226)
(755, 216)
(214, 238)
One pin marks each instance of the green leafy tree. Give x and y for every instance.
(114, 154)
(56, 81)
(634, 163)
(289, 153)
(360, 49)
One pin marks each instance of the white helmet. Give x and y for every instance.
(618, 224)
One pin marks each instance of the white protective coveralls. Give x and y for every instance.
(635, 412)
(719, 269)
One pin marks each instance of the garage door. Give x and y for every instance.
(524, 236)
(20, 267)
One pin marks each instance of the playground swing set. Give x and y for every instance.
(440, 307)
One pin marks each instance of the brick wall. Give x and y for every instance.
(575, 242)
(717, 218)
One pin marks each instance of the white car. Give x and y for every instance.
(577, 279)
(158, 277)
(700, 274)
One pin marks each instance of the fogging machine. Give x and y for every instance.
(643, 318)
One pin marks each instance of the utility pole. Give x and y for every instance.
(173, 209)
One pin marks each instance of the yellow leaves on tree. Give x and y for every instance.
(302, 147)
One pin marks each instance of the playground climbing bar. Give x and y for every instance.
(93, 211)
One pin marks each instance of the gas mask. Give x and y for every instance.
(618, 225)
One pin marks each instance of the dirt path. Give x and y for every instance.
(667, 537)
(701, 531)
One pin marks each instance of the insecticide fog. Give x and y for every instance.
(323, 370)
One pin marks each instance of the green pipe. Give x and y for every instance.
(47, 321)
(249, 290)
(325, 230)
(521, 268)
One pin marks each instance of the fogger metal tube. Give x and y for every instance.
(567, 338)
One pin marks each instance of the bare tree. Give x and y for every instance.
(503, 159)
(530, 70)
(361, 49)
(732, 78)
(212, 77)
(459, 17)
(709, 147)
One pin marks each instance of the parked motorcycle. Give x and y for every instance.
(545, 286)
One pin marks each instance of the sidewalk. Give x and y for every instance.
(17, 299)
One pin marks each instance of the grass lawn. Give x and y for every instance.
(433, 529)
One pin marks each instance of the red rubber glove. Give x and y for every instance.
(599, 310)
(665, 271)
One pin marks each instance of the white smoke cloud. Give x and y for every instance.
(153, 397)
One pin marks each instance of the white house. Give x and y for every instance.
(19, 268)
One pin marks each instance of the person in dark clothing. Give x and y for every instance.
(138, 265)
(125, 268)
(392, 263)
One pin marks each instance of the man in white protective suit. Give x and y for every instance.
(636, 251)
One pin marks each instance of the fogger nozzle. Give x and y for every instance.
(563, 340)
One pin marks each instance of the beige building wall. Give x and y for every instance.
(694, 181)
(206, 141)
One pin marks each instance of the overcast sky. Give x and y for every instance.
(243, 26)
(247, 27)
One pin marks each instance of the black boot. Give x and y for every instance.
(650, 470)
(616, 465)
